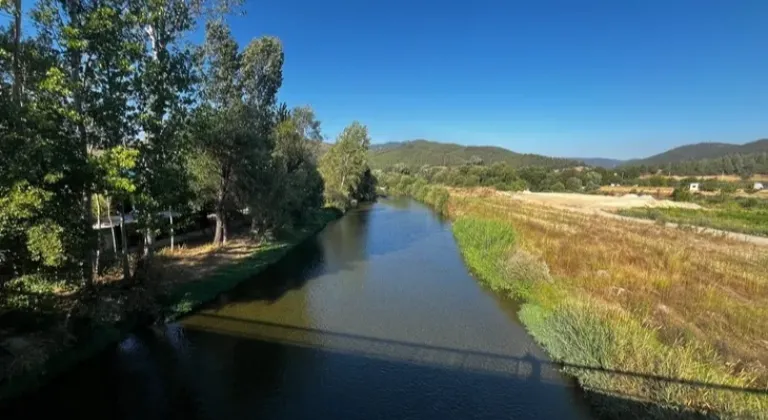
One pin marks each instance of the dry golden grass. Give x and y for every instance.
(654, 191)
(190, 264)
(686, 285)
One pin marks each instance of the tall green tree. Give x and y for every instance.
(345, 163)
(235, 124)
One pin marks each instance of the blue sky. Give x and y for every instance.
(613, 78)
(581, 78)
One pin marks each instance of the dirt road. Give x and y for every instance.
(603, 205)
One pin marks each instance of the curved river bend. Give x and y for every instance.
(375, 318)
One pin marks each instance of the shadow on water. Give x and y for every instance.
(337, 248)
(255, 369)
(232, 363)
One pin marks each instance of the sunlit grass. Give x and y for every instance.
(628, 296)
(749, 221)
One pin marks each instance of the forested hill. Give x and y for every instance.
(708, 159)
(702, 151)
(601, 162)
(422, 152)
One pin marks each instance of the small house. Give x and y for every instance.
(758, 186)
(694, 187)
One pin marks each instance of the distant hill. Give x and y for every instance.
(701, 151)
(424, 152)
(601, 162)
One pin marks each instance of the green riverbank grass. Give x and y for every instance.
(180, 300)
(631, 365)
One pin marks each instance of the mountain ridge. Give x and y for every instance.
(420, 152)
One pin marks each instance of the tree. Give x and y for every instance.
(345, 163)
(573, 184)
(234, 127)
(115, 169)
(164, 88)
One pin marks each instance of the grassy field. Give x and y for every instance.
(651, 321)
(733, 219)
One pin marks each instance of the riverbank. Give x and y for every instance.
(652, 322)
(213, 275)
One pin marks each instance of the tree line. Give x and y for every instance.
(109, 112)
(500, 176)
(740, 164)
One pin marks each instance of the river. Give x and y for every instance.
(374, 318)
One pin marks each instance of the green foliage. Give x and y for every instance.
(108, 102)
(45, 245)
(434, 195)
(345, 164)
(422, 152)
(573, 184)
(682, 194)
(485, 245)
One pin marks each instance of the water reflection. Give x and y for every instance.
(376, 317)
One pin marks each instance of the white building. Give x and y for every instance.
(694, 187)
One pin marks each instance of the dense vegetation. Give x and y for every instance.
(503, 177)
(417, 153)
(116, 131)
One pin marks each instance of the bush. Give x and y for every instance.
(681, 194)
(557, 187)
(527, 270)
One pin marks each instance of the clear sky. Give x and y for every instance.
(578, 78)
(610, 78)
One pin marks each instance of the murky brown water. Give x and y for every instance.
(375, 318)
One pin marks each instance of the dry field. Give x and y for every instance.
(595, 202)
(705, 294)
(667, 191)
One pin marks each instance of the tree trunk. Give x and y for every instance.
(170, 215)
(218, 229)
(148, 239)
(98, 237)
(17, 82)
(111, 226)
(124, 245)
(224, 229)
(220, 236)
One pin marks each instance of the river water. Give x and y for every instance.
(374, 318)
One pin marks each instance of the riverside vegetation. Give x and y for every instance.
(665, 318)
(116, 131)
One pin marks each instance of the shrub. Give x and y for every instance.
(681, 194)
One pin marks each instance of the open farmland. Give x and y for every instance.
(672, 303)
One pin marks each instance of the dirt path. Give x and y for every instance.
(599, 205)
(756, 240)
